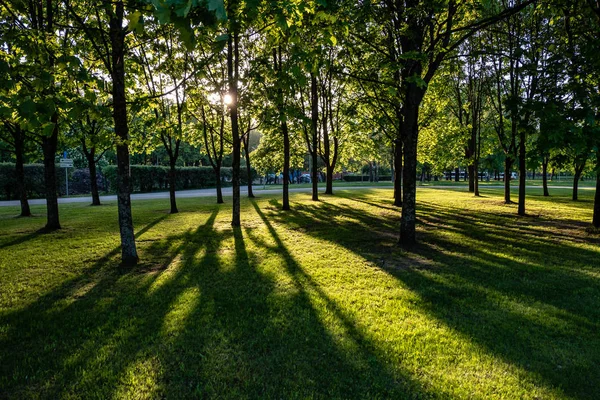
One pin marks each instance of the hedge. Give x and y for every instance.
(148, 178)
(365, 178)
(34, 181)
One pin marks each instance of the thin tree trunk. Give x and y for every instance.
(476, 180)
(457, 175)
(172, 179)
(217, 170)
(398, 173)
(233, 74)
(49, 145)
(248, 170)
(596, 217)
(545, 177)
(522, 172)
(472, 179)
(507, 171)
(314, 95)
(20, 172)
(576, 178)
(93, 178)
(286, 164)
(117, 37)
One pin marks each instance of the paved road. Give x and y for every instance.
(227, 192)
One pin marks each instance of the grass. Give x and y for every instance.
(318, 302)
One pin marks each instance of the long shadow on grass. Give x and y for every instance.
(530, 302)
(201, 320)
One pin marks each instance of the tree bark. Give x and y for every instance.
(217, 170)
(49, 145)
(19, 139)
(576, 178)
(232, 75)
(246, 142)
(457, 175)
(596, 217)
(410, 134)
(476, 176)
(522, 172)
(545, 177)
(93, 178)
(286, 164)
(117, 37)
(172, 178)
(314, 108)
(398, 173)
(472, 179)
(508, 162)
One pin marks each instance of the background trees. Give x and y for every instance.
(416, 87)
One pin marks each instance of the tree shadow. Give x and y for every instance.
(501, 283)
(204, 316)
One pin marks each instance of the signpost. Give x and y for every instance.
(66, 163)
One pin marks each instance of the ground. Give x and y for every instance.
(319, 302)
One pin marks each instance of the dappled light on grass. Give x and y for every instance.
(318, 301)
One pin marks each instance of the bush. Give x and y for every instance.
(34, 181)
(148, 178)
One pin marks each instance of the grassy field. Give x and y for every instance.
(318, 302)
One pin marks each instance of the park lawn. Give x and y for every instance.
(318, 302)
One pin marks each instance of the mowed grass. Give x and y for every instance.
(318, 302)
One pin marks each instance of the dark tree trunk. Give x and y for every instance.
(314, 95)
(545, 177)
(117, 37)
(576, 178)
(507, 171)
(172, 179)
(476, 178)
(457, 175)
(233, 74)
(472, 178)
(596, 217)
(329, 180)
(246, 142)
(522, 172)
(398, 173)
(286, 164)
(410, 134)
(49, 145)
(20, 171)
(217, 170)
(93, 178)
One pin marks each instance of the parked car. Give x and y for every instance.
(304, 178)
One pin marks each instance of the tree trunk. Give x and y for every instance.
(522, 172)
(286, 163)
(248, 170)
(476, 178)
(314, 95)
(545, 177)
(410, 134)
(232, 75)
(172, 178)
(457, 175)
(219, 185)
(507, 171)
(398, 173)
(49, 145)
(576, 178)
(93, 179)
(117, 37)
(596, 217)
(20, 172)
(472, 178)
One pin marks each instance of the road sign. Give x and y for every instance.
(66, 163)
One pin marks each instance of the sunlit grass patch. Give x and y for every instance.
(317, 302)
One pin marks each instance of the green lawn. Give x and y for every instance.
(318, 302)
